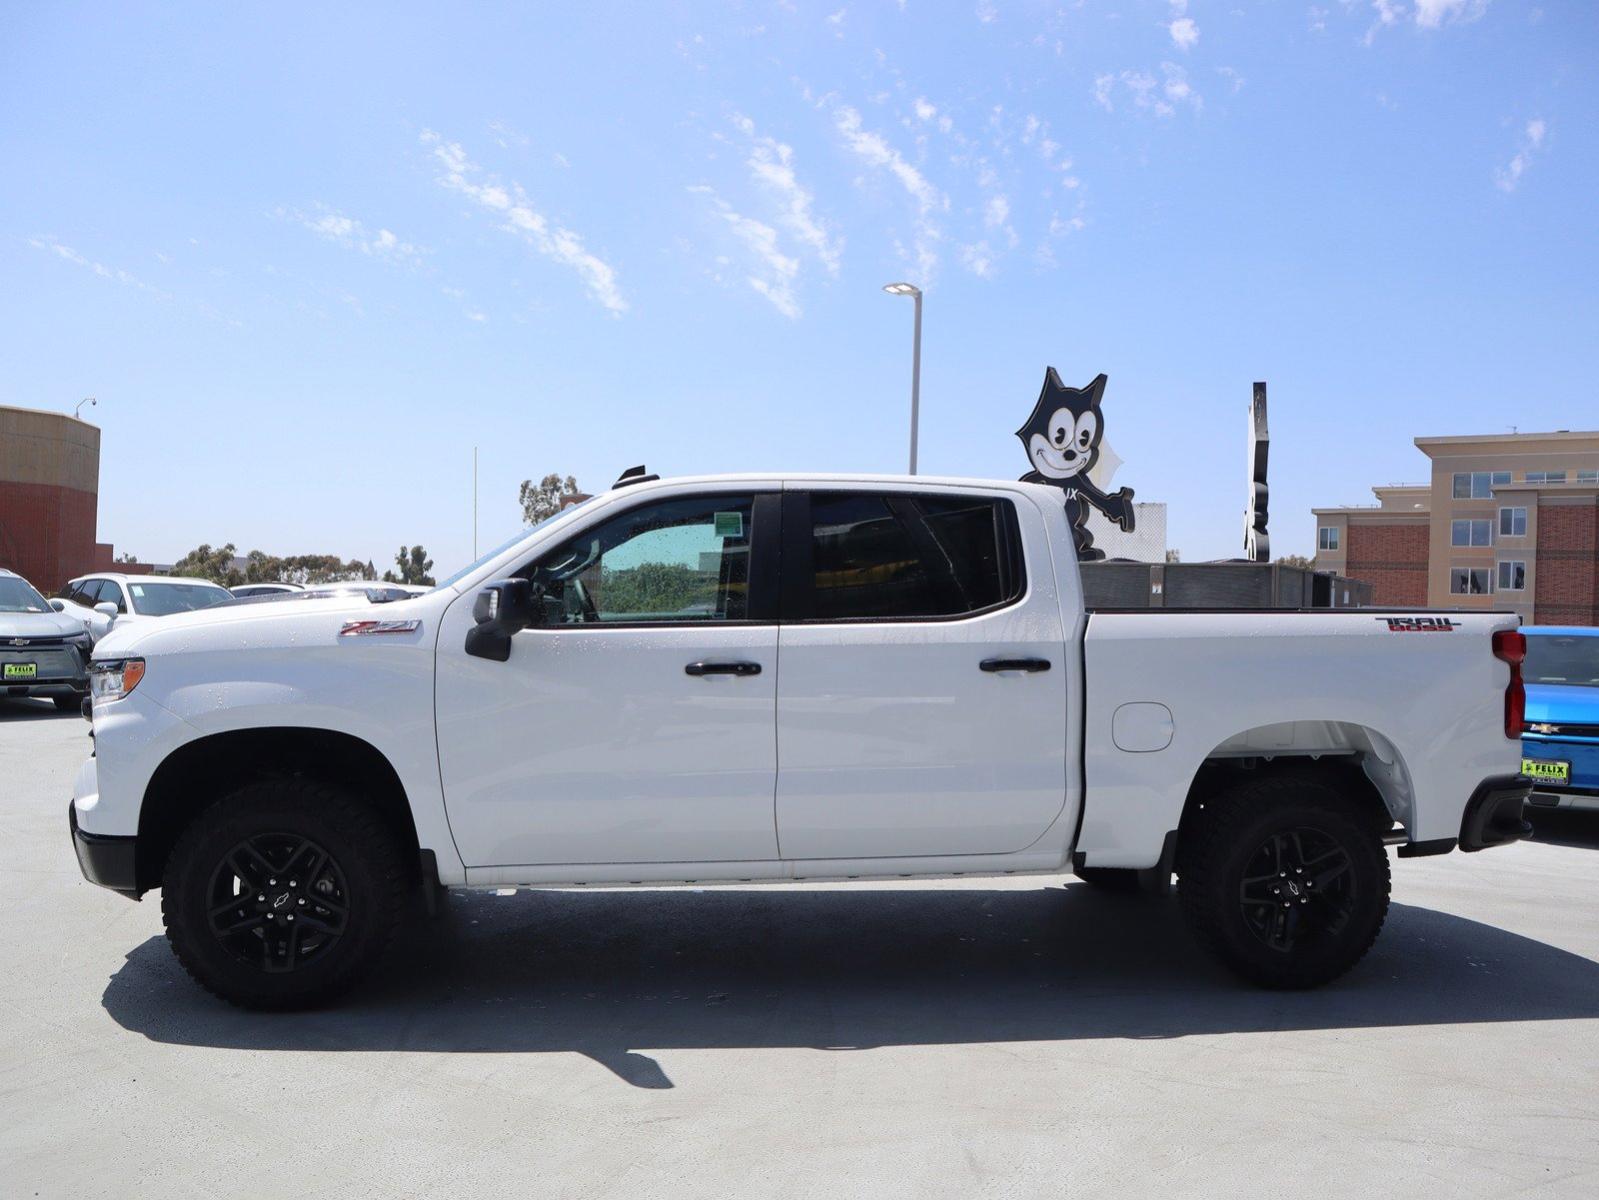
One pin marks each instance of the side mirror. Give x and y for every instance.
(58, 605)
(106, 609)
(500, 610)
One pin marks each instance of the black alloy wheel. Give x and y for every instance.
(1298, 888)
(278, 901)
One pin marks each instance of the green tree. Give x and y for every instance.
(655, 587)
(1296, 560)
(543, 500)
(205, 563)
(261, 567)
(414, 565)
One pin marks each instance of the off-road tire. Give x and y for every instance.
(366, 875)
(1222, 880)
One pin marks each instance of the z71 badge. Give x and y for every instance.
(368, 628)
(1420, 624)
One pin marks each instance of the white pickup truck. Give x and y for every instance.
(753, 678)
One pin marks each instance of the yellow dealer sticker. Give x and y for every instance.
(1542, 771)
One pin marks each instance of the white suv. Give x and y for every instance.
(101, 600)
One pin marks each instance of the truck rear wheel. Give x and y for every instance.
(283, 894)
(1285, 881)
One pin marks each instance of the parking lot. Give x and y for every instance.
(962, 1038)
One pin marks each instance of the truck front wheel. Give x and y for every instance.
(1285, 881)
(283, 894)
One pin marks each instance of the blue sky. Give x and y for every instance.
(308, 256)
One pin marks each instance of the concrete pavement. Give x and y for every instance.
(967, 1038)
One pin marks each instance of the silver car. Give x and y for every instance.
(42, 652)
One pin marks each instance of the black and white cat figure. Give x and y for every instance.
(1062, 439)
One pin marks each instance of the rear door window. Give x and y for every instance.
(899, 556)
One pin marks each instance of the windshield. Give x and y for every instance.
(164, 599)
(1562, 658)
(507, 544)
(17, 595)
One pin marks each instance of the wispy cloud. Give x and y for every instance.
(986, 12)
(522, 220)
(1162, 97)
(772, 273)
(1508, 177)
(1432, 14)
(1426, 14)
(507, 136)
(1184, 33)
(978, 258)
(353, 234)
(114, 274)
(771, 164)
(875, 150)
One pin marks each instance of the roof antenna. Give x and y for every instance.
(634, 475)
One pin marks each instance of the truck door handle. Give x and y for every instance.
(722, 668)
(1015, 664)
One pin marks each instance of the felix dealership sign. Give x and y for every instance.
(1062, 439)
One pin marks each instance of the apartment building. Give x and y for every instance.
(1507, 522)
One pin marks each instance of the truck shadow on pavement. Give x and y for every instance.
(612, 975)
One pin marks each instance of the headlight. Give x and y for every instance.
(113, 678)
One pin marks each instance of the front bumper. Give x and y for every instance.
(46, 687)
(106, 860)
(62, 669)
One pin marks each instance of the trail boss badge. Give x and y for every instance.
(1420, 624)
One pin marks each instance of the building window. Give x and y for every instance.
(1512, 522)
(1471, 533)
(1469, 581)
(1327, 537)
(1588, 476)
(1478, 485)
(1512, 577)
(1546, 477)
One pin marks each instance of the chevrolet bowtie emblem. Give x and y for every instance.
(19, 641)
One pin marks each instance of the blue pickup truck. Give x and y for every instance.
(1560, 745)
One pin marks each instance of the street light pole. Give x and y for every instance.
(915, 293)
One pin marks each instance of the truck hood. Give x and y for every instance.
(127, 638)
(37, 625)
(1562, 704)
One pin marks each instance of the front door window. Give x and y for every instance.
(681, 560)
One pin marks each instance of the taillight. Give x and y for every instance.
(1510, 646)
